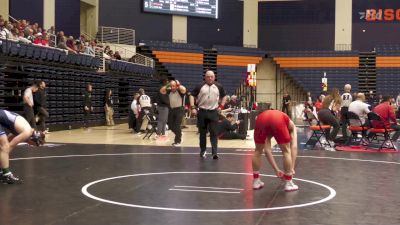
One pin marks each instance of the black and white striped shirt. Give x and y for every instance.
(208, 96)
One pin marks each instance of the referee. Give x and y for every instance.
(210, 97)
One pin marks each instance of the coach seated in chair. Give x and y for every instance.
(228, 128)
(386, 112)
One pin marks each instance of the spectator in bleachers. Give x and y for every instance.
(228, 128)
(108, 108)
(117, 56)
(89, 49)
(234, 102)
(38, 40)
(52, 30)
(360, 108)
(286, 104)
(62, 44)
(87, 105)
(40, 105)
(386, 112)
(330, 107)
(28, 104)
(29, 35)
(71, 44)
(347, 98)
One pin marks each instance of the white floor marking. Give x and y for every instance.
(186, 153)
(205, 191)
(213, 188)
(332, 194)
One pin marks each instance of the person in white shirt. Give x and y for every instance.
(134, 114)
(346, 100)
(143, 103)
(360, 108)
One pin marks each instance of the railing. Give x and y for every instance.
(343, 47)
(117, 35)
(99, 54)
(142, 60)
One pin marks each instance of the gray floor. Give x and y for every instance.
(164, 185)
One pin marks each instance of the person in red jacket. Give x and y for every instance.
(274, 123)
(386, 112)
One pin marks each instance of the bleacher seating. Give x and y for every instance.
(388, 69)
(232, 65)
(49, 54)
(307, 68)
(66, 76)
(311, 79)
(183, 62)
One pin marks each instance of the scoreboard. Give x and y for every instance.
(201, 8)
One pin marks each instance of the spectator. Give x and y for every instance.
(286, 104)
(386, 112)
(89, 49)
(144, 103)
(87, 105)
(176, 97)
(228, 128)
(347, 98)
(331, 106)
(52, 30)
(108, 108)
(28, 104)
(134, 114)
(163, 110)
(38, 40)
(40, 105)
(117, 55)
(360, 108)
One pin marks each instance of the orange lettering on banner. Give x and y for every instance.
(398, 14)
(370, 15)
(389, 14)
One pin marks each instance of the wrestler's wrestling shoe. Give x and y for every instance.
(290, 186)
(257, 184)
(9, 178)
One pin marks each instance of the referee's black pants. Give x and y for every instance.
(208, 119)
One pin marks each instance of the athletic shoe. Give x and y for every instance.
(176, 144)
(215, 156)
(290, 186)
(155, 137)
(203, 154)
(257, 184)
(9, 178)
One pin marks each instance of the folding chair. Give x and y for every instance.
(380, 134)
(152, 123)
(318, 130)
(356, 128)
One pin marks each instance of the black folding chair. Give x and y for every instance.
(379, 133)
(318, 131)
(152, 123)
(357, 129)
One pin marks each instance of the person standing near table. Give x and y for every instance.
(210, 97)
(87, 105)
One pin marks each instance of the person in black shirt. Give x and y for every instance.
(87, 105)
(40, 105)
(108, 108)
(227, 128)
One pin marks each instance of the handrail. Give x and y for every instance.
(12, 18)
(117, 35)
